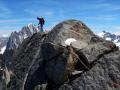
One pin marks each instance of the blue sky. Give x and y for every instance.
(99, 15)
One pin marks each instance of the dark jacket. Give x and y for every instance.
(41, 20)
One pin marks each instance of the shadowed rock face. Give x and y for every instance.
(45, 59)
(28, 60)
(105, 75)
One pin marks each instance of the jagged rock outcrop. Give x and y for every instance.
(16, 38)
(9, 46)
(27, 63)
(46, 61)
(4, 74)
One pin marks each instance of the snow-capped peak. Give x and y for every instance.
(101, 34)
(110, 37)
(30, 26)
(16, 38)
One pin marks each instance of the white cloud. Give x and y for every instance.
(5, 32)
(32, 12)
(8, 21)
(117, 27)
(49, 13)
(107, 17)
(108, 6)
(100, 5)
(115, 8)
(116, 30)
(117, 33)
(16, 20)
(4, 10)
(39, 12)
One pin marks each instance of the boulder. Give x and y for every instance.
(105, 75)
(96, 50)
(69, 29)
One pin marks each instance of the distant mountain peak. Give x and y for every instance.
(110, 37)
(16, 38)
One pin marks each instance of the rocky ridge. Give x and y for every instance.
(45, 62)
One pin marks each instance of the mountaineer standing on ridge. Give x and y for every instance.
(41, 23)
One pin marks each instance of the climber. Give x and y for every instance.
(41, 23)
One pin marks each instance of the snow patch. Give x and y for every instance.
(115, 41)
(117, 33)
(109, 39)
(3, 50)
(76, 72)
(30, 25)
(118, 44)
(101, 34)
(20, 38)
(69, 41)
(25, 36)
